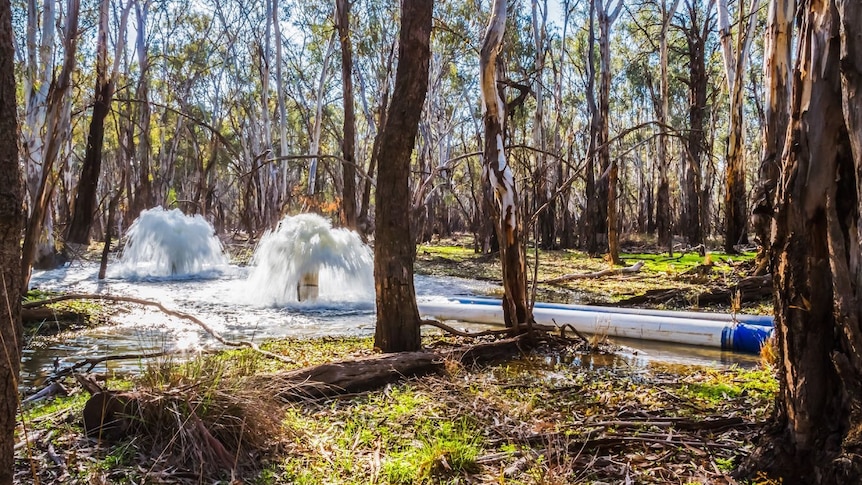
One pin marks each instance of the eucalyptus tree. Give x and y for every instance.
(397, 314)
(545, 169)
(320, 98)
(348, 142)
(141, 195)
(376, 46)
(777, 72)
(607, 192)
(84, 208)
(448, 129)
(499, 172)
(561, 128)
(591, 221)
(816, 247)
(664, 224)
(47, 126)
(735, 59)
(11, 223)
(696, 21)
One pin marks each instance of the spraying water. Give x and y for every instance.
(305, 258)
(169, 243)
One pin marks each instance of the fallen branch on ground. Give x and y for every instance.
(752, 288)
(111, 414)
(345, 377)
(483, 333)
(596, 274)
(167, 311)
(92, 362)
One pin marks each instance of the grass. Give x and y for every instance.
(468, 424)
(687, 273)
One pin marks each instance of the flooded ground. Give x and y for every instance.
(224, 300)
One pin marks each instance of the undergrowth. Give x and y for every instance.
(539, 420)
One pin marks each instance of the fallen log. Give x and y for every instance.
(596, 274)
(750, 289)
(39, 315)
(753, 288)
(364, 374)
(115, 414)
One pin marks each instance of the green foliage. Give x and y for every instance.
(446, 448)
(734, 383)
(662, 263)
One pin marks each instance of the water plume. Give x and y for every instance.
(305, 245)
(164, 243)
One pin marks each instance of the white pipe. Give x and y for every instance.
(691, 331)
(765, 320)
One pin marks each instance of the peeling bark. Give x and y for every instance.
(816, 252)
(499, 173)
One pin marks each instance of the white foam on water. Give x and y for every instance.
(170, 244)
(308, 244)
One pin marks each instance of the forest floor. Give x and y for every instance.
(564, 411)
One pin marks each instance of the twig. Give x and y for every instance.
(167, 311)
(596, 274)
(91, 362)
(507, 331)
(574, 330)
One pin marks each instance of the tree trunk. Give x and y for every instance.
(499, 173)
(816, 258)
(545, 170)
(589, 217)
(11, 222)
(397, 315)
(56, 128)
(663, 217)
(696, 34)
(607, 192)
(735, 61)
(318, 117)
(143, 198)
(348, 144)
(85, 197)
(777, 72)
(363, 221)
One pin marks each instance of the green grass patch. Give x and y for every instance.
(715, 387)
(662, 263)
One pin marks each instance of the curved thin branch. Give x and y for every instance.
(167, 311)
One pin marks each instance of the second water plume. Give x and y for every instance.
(168, 243)
(304, 251)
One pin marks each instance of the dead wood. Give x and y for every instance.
(484, 333)
(91, 362)
(43, 314)
(750, 289)
(165, 310)
(51, 390)
(368, 373)
(596, 274)
(753, 288)
(716, 424)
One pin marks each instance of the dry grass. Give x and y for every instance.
(560, 415)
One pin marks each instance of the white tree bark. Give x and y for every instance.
(500, 175)
(318, 116)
